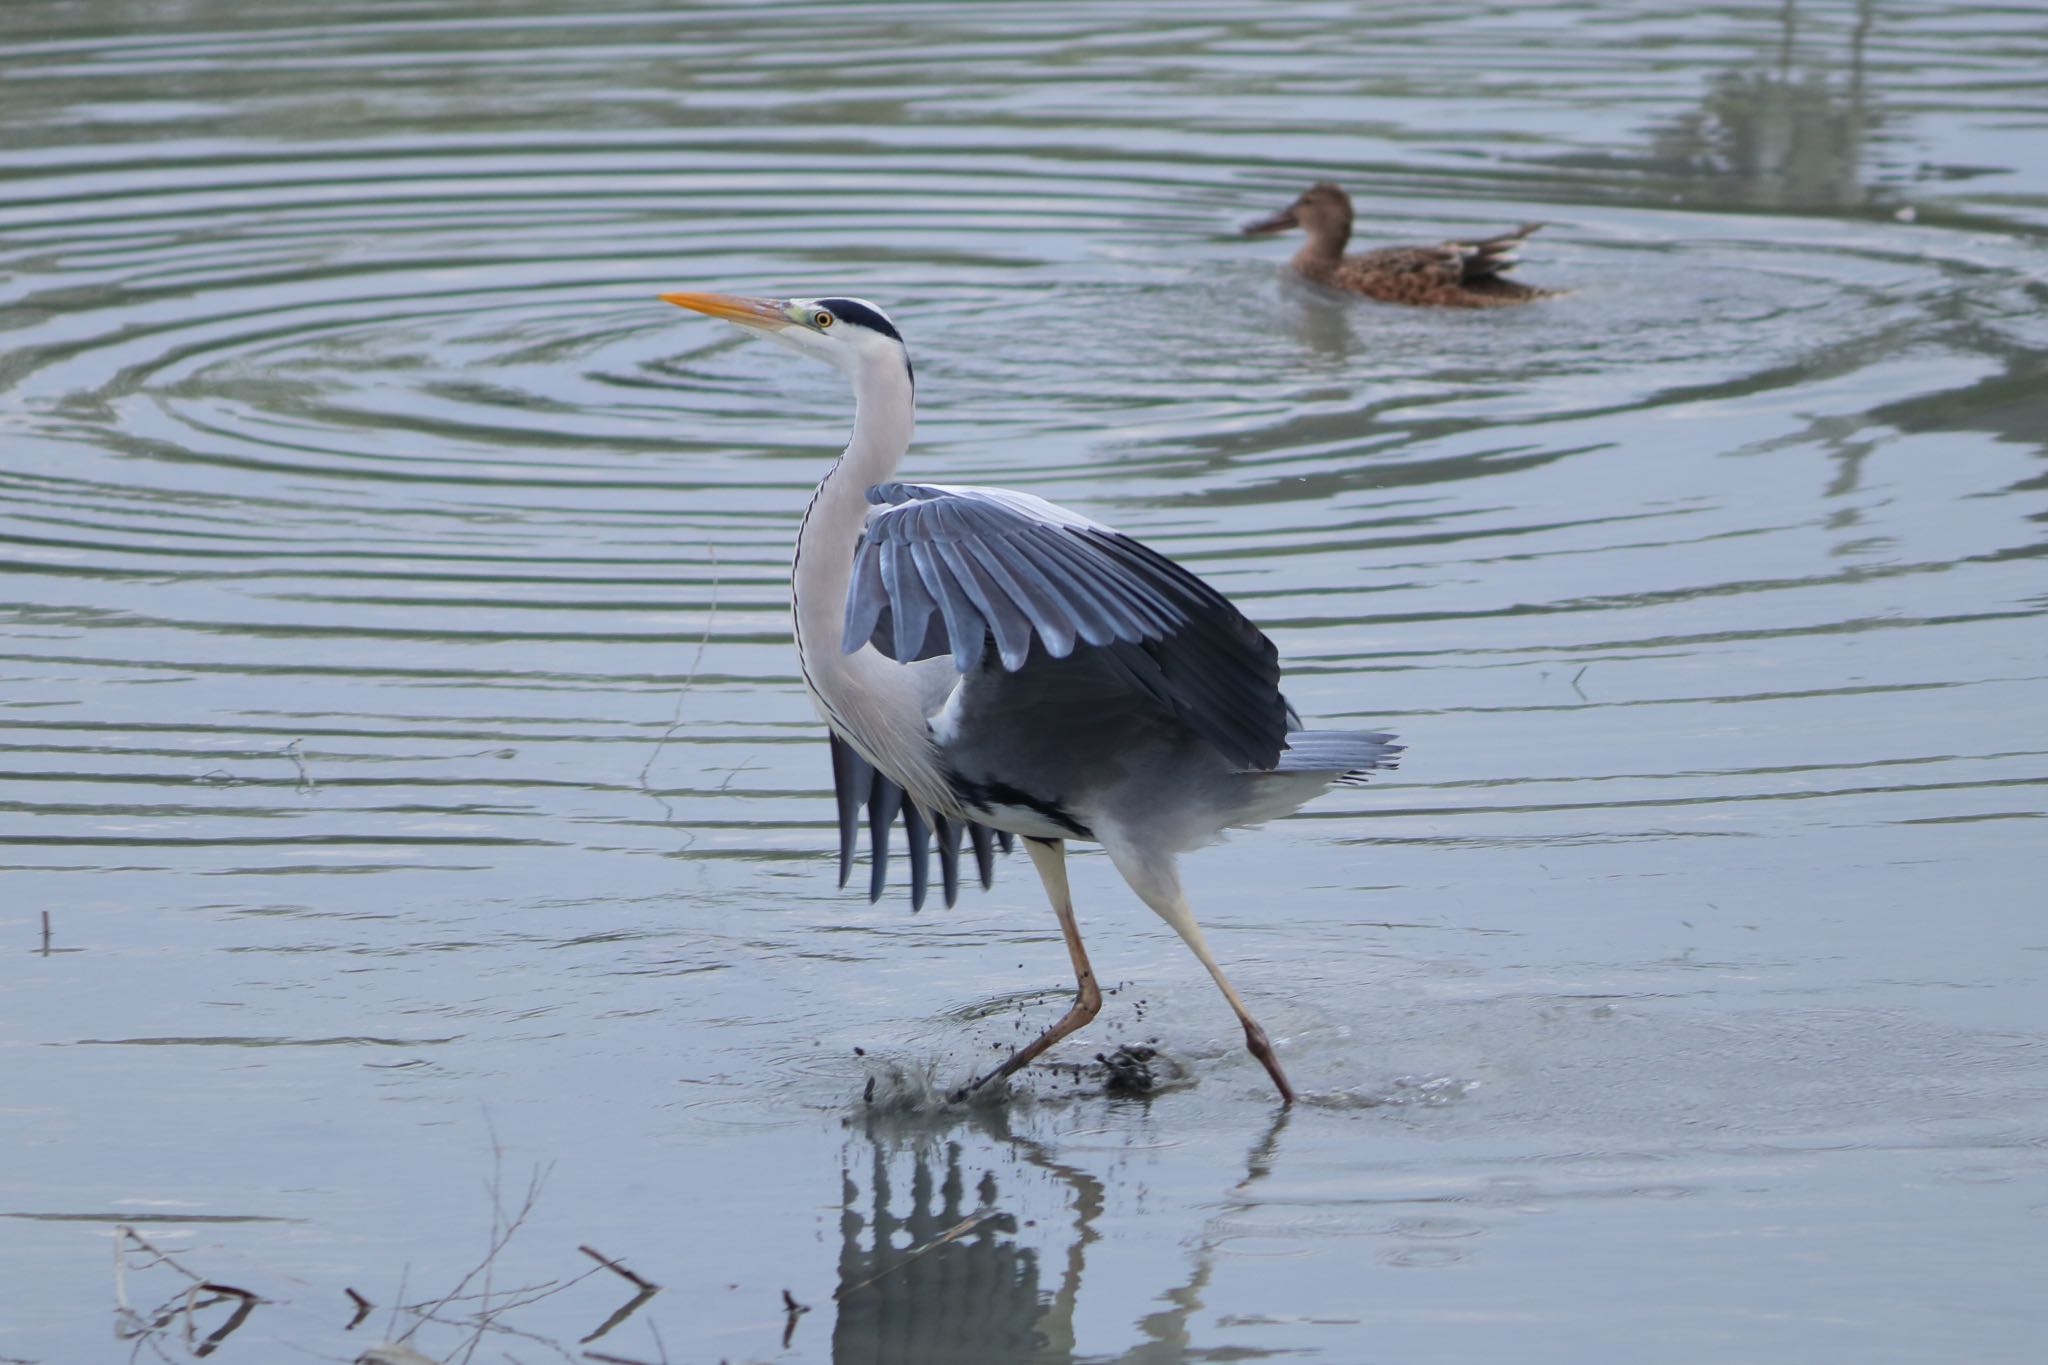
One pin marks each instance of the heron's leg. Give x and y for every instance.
(1158, 885)
(1049, 856)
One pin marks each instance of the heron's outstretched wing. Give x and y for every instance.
(859, 786)
(948, 570)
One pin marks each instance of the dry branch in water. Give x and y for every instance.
(476, 1306)
(479, 1308)
(682, 695)
(295, 751)
(182, 1307)
(958, 1230)
(616, 1268)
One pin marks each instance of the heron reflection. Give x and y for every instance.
(947, 1257)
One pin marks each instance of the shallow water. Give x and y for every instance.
(401, 731)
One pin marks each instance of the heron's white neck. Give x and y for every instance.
(870, 700)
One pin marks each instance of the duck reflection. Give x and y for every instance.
(1780, 136)
(935, 1269)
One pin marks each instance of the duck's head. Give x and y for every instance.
(1322, 210)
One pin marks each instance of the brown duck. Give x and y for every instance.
(1447, 275)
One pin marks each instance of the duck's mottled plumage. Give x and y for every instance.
(1454, 274)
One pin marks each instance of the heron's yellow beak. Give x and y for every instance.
(767, 314)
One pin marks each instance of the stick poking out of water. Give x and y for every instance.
(676, 721)
(954, 1233)
(645, 1285)
(295, 752)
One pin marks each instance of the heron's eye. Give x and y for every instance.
(822, 318)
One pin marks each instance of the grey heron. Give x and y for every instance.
(990, 665)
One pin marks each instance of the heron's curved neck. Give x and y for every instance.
(884, 414)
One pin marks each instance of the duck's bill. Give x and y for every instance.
(767, 314)
(1279, 222)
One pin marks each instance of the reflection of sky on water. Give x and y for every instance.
(401, 731)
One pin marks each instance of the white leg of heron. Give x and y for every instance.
(1049, 856)
(1158, 884)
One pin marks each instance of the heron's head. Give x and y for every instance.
(1321, 210)
(851, 334)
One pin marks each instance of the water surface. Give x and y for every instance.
(401, 732)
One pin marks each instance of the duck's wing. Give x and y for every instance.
(1402, 272)
(959, 571)
(1458, 274)
(1489, 257)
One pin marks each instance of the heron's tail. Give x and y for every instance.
(1350, 754)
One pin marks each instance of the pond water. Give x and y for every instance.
(407, 791)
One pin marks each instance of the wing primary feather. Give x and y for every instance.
(984, 840)
(917, 838)
(910, 598)
(1140, 670)
(865, 598)
(1012, 630)
(1081, 587)
(1138, 584)
(1025, 612)
(1031, 592)
(966, 631)
(851, 775)
(858, 785)
(946, 831)
(883, 804)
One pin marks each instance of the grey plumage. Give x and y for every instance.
(990, 664)
(948, 570)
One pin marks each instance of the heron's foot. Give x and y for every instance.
(1262, 1048)
(1129, 1070)
(1087, 1004)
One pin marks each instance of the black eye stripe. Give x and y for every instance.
(852, 310)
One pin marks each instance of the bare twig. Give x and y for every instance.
(957, 1231)
(502, 1230)
(363, 1307)
(676, 721)
(659, 1345)
(478, 1306)
(295, 751)
(180, 1307)
(617, 1269)
(225, 1330)
(46, 933)
(620, 1314)
(795, 1310)
(742, 767)
(124, 1231)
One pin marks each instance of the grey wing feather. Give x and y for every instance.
(1350, 753)
(858, 786)
(949, 570)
